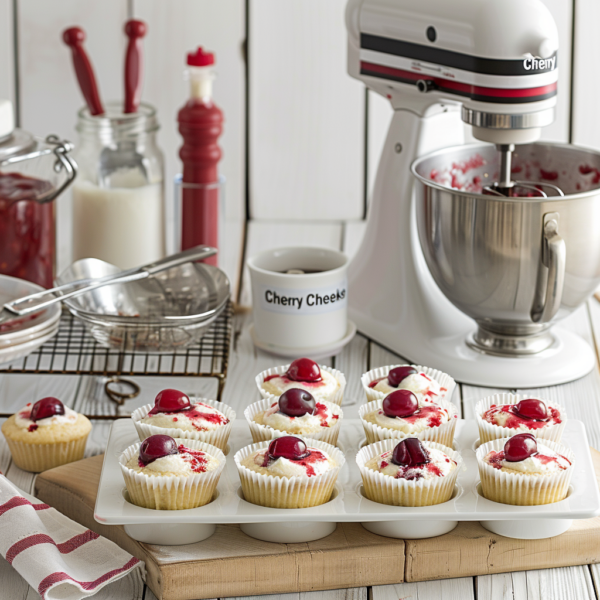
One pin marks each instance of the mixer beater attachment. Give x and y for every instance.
(521, 189)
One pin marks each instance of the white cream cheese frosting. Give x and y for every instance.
(544, 461)
(23, 421)
(317, 463)
(327, 415)
(424, 387)
(427, 416)
(439, 465)
(187, 463)
(201, 417)
(320, 390)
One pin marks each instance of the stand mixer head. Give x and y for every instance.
(494, 66)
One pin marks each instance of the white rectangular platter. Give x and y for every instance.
(348, 503)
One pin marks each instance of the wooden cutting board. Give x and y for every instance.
(232, 564)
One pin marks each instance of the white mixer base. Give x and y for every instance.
(569, 358)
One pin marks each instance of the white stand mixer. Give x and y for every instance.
(494, 62)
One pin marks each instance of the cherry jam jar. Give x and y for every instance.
(32, 174)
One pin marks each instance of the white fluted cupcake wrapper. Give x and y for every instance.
(372, 395)
(520, 488)
(489, 431)
(288, 492)
(216, 437)
(402, 492)
(262, 432)
(41, 457)
(172, 492)
(335, 398)
(444, 434)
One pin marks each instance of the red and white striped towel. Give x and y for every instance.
(57, 557)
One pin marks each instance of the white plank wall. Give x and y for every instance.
(306, 114)
(7, 76)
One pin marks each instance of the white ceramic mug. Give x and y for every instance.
(305, 310)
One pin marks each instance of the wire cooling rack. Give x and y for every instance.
(73, 351)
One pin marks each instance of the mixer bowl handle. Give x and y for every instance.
(551, 276)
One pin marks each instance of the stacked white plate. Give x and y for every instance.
(23, 335)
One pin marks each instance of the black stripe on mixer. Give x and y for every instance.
(449, 58)
(474, 92)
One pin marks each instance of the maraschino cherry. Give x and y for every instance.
(288, 446)
(519, 447)
(169, 401)
(46, 407)
(157, 446)
(401, 403)
(304, 369)
(409, 453)
(532, 409)
(399, 374)
(296, 403)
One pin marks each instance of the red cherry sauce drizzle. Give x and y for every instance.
(514, 421)
(415, 473)
(322, 414)
(314, 456)
(32, 427)
(495, 458)
(197, 417)
(195, 458)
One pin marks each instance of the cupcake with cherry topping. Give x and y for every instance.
(524, 470)
(294, 412)
(505, 415)
(288, 472)
(429, 385)
(400, 414)
(45, 435)
(164, 473)
(175, 415)
(409, 472)
(324, 383)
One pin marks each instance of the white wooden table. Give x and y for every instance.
(85, 394)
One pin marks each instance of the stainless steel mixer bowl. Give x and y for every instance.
(514, 265)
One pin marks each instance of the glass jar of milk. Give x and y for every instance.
(118, 196)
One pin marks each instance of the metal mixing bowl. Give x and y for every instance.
(514, 265)
(165, 312)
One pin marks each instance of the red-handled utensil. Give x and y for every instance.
(74, 38)
(135, 30)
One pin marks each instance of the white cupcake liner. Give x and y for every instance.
(444, 434)
(36, 458)
(401, 492)
(171, 492)
(335, 398)
(442, 378)
(523, 489)
(288, 492)
(489, 431)
(261, 432)
(216, 437)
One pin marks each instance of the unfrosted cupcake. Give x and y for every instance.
(524, 471)
(175, 415)
(294, 412)
(171, 474)
(429, 385)
(288, 472)
(409, 472)
(45, 435)
(505, 415)
(400, 414)
(324, 383)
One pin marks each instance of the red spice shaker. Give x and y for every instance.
(27, 219)
(200, 124)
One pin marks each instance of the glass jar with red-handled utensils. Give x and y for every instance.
(118, 198)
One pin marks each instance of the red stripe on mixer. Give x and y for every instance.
(463, 89)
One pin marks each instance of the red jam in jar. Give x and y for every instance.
(27, 229)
